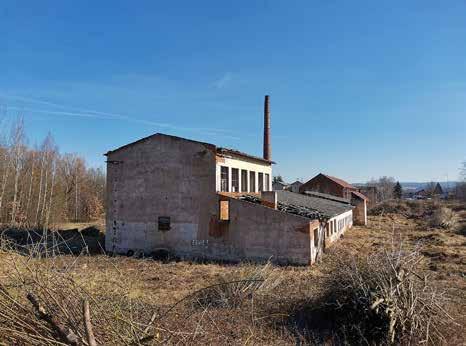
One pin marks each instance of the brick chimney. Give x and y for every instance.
(267, 147)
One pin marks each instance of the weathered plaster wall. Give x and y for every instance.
(360, 212)
(255, 231)
(161, 176)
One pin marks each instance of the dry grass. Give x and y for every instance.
(444, 217)
(142, 301)
(384, 298)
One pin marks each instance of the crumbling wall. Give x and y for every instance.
(257, 232)
(360, 211)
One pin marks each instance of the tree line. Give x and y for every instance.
(39, 186)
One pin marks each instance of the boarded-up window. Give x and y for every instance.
(252, 181)
(316, 237)
(244, 180)
(224, 179)
(261, 182)
(234, 180)
(267, 182)
(224, 210)
(164, 223)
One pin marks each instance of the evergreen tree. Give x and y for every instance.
(397, 190)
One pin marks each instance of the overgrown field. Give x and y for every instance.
(401, 280)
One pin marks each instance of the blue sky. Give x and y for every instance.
(358, 89)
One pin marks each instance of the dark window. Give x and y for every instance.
(164, 223)
(252, 181)
(224, 179)
(244, 180)
(234, 180)
(261, 182)
(267, 185)
(316, 237)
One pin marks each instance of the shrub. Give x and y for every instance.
(389, 207)
(445, 218)
(384, 300)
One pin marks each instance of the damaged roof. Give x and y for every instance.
(325, 207)
(289, 208)
(228, 151)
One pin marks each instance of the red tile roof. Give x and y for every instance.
(360, 195)
(339, 181)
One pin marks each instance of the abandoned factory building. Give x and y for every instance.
(197, 200)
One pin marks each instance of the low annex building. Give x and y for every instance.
(197, 200)
(339, 188)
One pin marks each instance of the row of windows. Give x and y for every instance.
(336, 226)
(247, 180)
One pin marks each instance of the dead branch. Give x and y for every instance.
(65, 335)
(88, 325)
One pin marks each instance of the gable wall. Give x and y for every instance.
(161, 176)
(322, 184)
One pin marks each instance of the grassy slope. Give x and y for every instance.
(157, 286)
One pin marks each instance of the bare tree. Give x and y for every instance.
(17, 159)
(461, 187)
(39, 186)
(385, 186)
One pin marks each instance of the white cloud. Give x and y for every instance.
(223, 81)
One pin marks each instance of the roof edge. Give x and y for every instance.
(222, 150)
(155, 135)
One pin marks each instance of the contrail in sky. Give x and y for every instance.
(111, 116)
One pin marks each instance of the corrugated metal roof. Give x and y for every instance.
(324, 206)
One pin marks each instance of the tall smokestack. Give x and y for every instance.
(267, 148)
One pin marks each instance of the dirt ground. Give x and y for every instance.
(161, 286)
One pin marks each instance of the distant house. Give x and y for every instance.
(329, 185)
(420, 194)
(294, 187)
(279, 185)
(428, 192)
(338, 187)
